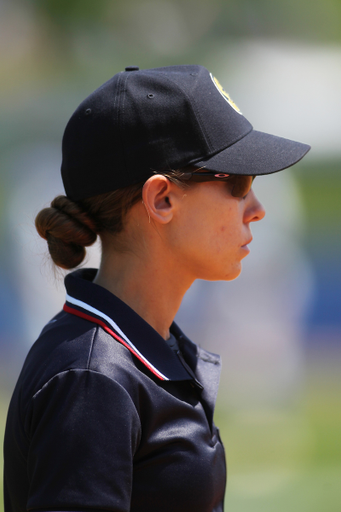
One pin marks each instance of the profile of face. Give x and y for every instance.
(203, 228)
(214, 235)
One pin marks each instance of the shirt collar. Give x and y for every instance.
(96, 304)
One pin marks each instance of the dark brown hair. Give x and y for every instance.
(69, 227)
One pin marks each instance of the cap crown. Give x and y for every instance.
(142, 121)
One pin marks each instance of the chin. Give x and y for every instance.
(235, 272)
(232, 274)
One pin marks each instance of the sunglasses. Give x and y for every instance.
(240, 184)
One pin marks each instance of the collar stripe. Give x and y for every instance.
(97, 312)
(126, 342)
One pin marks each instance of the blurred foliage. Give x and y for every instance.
(53, 38)
(288, 459)
(320, 189)
(311, 19)
(302, 19)
(320, 192)
(70, 12)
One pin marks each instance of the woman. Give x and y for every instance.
(113, 409)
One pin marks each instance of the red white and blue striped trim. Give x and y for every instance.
(103, 321)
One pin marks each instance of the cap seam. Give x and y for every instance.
(121, 116)
(225, 147)
(202, 128)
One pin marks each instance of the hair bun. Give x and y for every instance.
(67, 229)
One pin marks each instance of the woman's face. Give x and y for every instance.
(211, 230)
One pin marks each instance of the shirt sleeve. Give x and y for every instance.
(84, 430)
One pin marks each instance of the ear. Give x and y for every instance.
(158, 198)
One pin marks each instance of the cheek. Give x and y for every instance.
(226, 233)
(212, 230)
(208, 243)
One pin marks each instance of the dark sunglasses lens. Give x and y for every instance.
(240, 185)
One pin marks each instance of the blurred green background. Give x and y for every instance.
(281, 62)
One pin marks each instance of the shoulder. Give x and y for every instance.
(71, 344)
(80, 396)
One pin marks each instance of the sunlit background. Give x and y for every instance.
(278, 327)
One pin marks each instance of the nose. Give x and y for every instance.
(255, 210)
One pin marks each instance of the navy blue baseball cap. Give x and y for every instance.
(145, 121)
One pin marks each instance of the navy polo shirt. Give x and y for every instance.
(106, 416)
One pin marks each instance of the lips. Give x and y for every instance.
(248, 242)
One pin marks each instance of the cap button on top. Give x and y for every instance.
(132, 68)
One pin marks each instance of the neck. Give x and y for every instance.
(151, 286)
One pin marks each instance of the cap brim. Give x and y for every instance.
(255, 154)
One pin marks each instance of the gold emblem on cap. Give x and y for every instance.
(224, 94)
